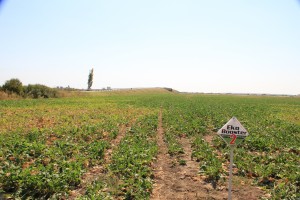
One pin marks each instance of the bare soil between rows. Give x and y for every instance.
(174, 181)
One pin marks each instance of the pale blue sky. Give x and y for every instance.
(189, 45)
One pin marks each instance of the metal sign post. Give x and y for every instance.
(230, 172)
(232, 133)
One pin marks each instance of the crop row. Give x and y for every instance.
(178, 124)
(129, 175)
(41, 164)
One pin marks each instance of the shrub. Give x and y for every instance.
(13, 85)
(38, 90)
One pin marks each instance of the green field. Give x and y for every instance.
(46, 145)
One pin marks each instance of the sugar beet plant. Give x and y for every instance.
(129, 174)
(267, 156)
(46, 145)
(45, 153)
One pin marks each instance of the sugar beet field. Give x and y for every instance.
(148, 144)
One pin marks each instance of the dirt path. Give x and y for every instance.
(95, 172)
(174, 181)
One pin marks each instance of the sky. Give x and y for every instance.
(215, 46)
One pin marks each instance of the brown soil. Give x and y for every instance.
(97, 171)
(174, 181)
(208, 138)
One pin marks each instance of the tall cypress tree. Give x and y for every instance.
(90, 80)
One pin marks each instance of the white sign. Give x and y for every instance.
(233, 132)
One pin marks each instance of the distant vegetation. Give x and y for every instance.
(14, 88)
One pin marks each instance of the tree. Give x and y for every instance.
(90, 80)
(13, 85)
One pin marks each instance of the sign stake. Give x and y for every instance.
(230, 172)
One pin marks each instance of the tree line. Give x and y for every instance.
(15, 87)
